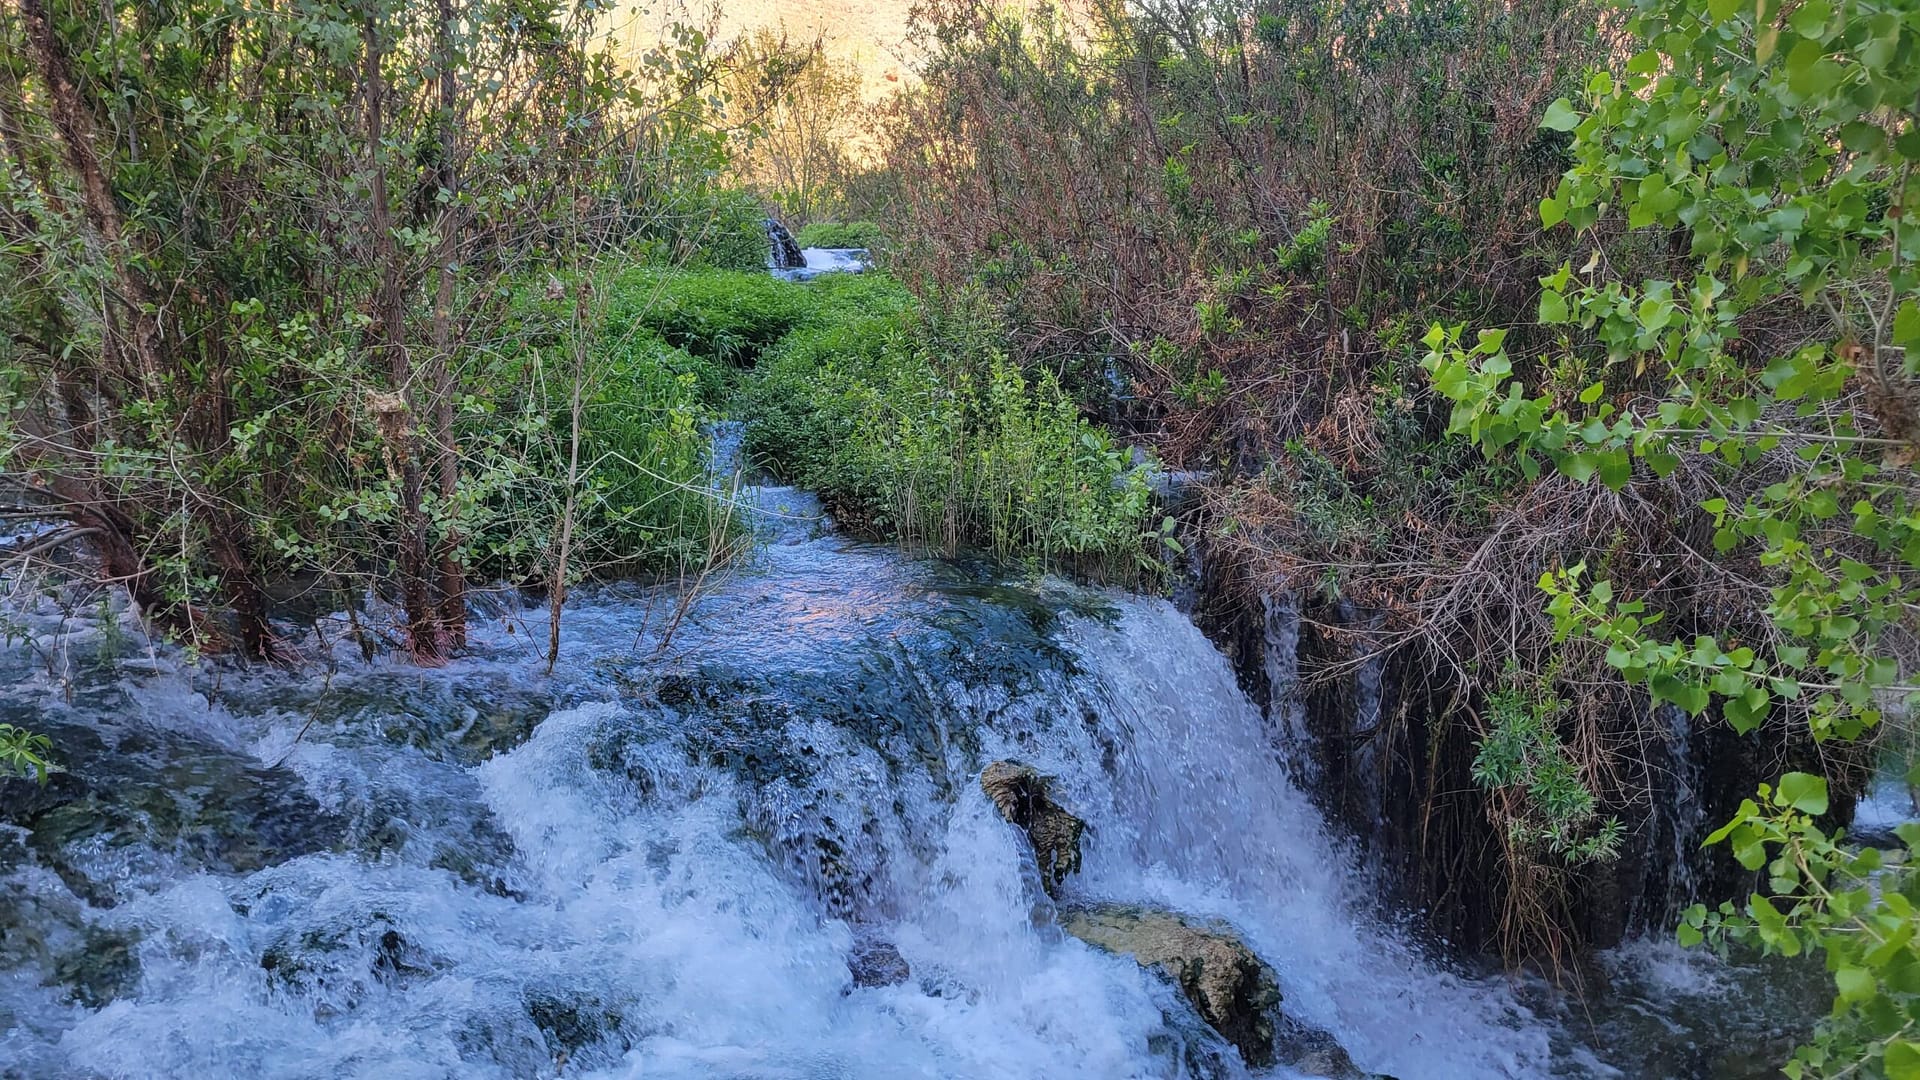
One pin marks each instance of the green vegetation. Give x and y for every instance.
(727, 230)
(725, 317)
(839, 234)
(329, 375)
(1779, 142)
(1523, 759)
(919, 427)
(23, 753)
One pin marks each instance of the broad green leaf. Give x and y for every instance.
(1804, 792)
(1902, 1061)
(1560, 116)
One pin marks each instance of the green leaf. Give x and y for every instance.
(1722, 10)
(1902, 1061)
(1855, 984)
(1553, 307)
(1804, 792)
(1560, 116)
(1552, 212)
(1906, 325)
(1862, 137)
(1810, 21)
(1616, 468)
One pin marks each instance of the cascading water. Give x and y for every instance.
(660, 861)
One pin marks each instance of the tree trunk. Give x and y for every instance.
(424, 637)
(453, 581)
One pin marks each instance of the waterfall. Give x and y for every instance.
(662, 861)
(785, 252)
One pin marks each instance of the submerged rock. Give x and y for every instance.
(1023, 798)
(877, 963)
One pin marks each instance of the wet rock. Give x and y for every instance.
(877, 963)
(133, 814)
(1227, 983)
(22, 800)
(1023, 797)
(103, 968)
(336, 966)
(1231, 988)
(578, 1027)
(1313, 1052)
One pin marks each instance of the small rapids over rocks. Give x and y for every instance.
(746, 840)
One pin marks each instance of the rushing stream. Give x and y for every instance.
(659, 861)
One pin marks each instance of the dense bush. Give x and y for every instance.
(735, 237)
(643, 502)
(725, 316)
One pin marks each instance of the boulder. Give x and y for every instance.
(1227, 983)
(1231, 988)
(1024, 798)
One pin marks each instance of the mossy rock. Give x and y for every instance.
(1229, 986)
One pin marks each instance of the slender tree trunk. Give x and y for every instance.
(557, 593)
(453, 581)
(424, 637)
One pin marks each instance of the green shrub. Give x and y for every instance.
(650, 503)
(841, 234)
(1549, 806)
(919, 429)
(725, 316)
(718, 228)
(644, 502)
(736, 238)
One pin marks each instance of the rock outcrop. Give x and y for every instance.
(1024, 798)
(1234, 991)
